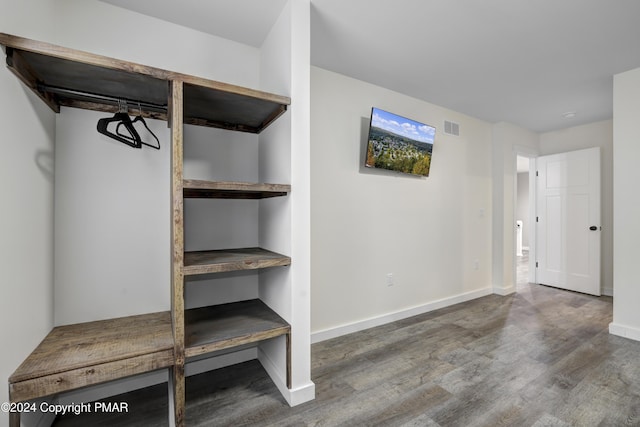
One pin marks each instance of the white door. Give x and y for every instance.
(568, 220)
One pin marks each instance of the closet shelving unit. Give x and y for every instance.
(79, 355)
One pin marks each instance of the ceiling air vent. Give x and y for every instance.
(451, 128)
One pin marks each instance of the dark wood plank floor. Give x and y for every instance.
(540, 357)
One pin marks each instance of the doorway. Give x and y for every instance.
(523, 226)
(559, 245)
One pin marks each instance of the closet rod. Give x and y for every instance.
(101, 98)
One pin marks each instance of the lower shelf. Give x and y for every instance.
(219, 327)
(83, 354)
(219, 261)
(214, 398)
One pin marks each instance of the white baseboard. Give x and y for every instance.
(624, 331)
(607, 291)
(398, 315)
(504, 291)
(294, 396)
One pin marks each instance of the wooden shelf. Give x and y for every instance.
(193, 188)
(224, 326)
(47, 68)
(79, 355)
(83, 354)
(220, 261)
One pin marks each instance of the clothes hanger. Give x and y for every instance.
(140, 140)
(123, 119)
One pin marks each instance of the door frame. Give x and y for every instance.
(532, 155)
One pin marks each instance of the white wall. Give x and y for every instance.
(214, 154)
(626, 175)
(98, 27)
(508, 141)
(285, 222)
(130, 188)
(111, 204)
(26, 210)
(598, 134)
(428, 232)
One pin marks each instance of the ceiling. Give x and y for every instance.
(520, 61)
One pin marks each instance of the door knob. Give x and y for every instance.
(593, 228)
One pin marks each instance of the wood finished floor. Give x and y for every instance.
(540, 357)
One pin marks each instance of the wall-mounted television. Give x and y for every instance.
(399, 144)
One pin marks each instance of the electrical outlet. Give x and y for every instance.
(389, 279)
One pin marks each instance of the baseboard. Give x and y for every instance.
(504, 291)
(624, 331)
(294, 396)
(607, 292)
(398, 315)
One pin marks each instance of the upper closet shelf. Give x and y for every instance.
(67, 77)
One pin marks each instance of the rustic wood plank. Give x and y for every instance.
(86, 344)
(116, 64)
(66, 78)
(219, 261)
(80, 56)
(47, 385)
(194, 188)
(199, 84)
(177, 231)
(78, 355)
(209, 103)
(242, 110)
(225, 326)
(21, 69)
(255, 126)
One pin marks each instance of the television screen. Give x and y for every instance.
(399, 144)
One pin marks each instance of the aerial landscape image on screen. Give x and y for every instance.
(399, 144)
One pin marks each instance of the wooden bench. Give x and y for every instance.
(84, 354)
